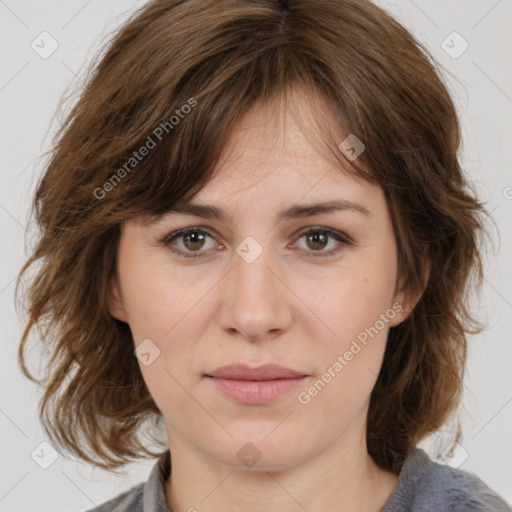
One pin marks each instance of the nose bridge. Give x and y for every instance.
(252, 264)
(254, 303)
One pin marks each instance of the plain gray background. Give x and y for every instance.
(481, 83)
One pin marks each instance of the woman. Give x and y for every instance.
(256, 238)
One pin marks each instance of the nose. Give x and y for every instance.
(256, 303)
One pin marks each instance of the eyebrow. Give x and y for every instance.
(298, 211)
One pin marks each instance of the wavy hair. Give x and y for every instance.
(174, 79)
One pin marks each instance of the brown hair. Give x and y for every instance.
(220, 58)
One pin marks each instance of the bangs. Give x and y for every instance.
(184, 145)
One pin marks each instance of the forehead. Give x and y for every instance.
(271, 154)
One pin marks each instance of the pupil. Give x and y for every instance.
(195, 238)
(319, 240)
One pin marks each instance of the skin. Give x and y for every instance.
(289, 307)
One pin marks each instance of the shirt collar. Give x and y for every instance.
(153, 498)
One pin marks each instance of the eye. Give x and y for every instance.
(190, 242)
(317, 239)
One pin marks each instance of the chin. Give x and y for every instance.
(258, 451)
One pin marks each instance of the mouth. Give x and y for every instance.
(255, 386)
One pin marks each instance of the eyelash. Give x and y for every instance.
(342, 239)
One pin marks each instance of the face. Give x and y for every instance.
(312, 291)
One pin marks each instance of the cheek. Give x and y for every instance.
(157, 300)
(356, 306)
(350, 354)
(162, 312)
(354, 299)
(167, 309)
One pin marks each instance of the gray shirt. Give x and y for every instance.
(423, 486)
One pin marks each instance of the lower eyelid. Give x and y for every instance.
(342, 240)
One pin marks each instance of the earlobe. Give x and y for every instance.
(115, 303)
(404, 301)
(399, 308)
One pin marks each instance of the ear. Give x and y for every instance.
(115, 303)
(408, 298)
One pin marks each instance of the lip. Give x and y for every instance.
(255, 386)
(245, 372)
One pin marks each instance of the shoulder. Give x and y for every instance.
(459, 490)
(425, 485)
(128, 501)
(149, 495)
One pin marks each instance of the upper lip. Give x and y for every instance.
(264, 372)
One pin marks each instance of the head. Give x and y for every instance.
(320, 103)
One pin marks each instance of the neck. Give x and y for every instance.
(343, 474)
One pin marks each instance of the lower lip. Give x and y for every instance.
(256, 392)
